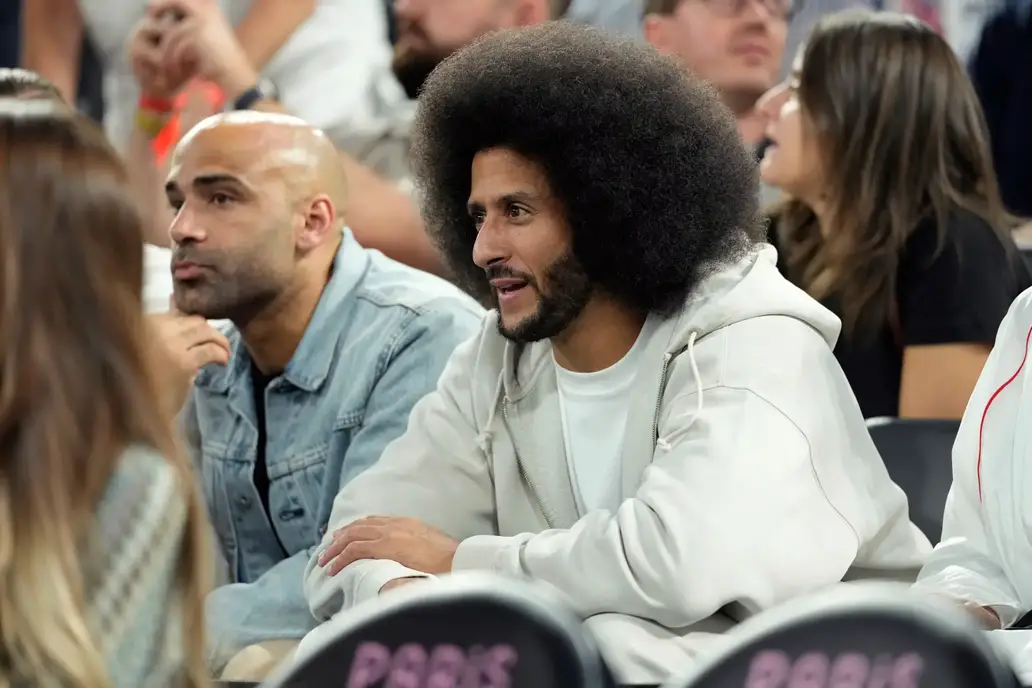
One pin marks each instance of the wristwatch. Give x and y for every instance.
(263, 90)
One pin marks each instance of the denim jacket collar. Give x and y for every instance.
(310, 364)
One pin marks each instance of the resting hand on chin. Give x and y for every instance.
(187, 343)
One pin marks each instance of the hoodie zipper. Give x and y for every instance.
(549, 521)
(667, 357)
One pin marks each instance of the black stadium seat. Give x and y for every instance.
(469, 629)
(918, 456)
(1026, 253)
(856, 636)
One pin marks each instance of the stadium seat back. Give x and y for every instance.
(857, 636)
(918, 455)
(463, 630)
(1026, 253)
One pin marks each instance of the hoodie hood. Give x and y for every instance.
(753, 287)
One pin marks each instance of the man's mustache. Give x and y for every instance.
(413, 28)
(181, 256)
(499, 271)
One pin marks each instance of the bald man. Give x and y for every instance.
(330, 347)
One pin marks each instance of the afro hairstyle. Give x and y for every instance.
(654, 179)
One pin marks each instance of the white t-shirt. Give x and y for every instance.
(594, 410)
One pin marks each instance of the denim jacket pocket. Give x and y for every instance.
(296, 488)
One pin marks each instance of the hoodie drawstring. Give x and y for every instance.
(695, 371)
(484, 438)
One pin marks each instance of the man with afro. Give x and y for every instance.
(652, 419)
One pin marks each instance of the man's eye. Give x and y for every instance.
(516, 212)
(220, 199)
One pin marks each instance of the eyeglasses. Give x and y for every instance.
(779, 9)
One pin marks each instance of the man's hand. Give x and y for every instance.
(405, 540)
(203, 44)
(985, 616)
(146, 52)
(189, 343)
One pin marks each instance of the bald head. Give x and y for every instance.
(259, 201)
(275, 148)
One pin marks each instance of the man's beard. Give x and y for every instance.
(412, 69)
(569, 290)
(237, 295)
(221, 300)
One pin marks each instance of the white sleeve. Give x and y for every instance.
(966, 564)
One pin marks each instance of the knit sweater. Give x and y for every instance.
(130, 568)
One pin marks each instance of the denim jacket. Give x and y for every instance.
(376, 343)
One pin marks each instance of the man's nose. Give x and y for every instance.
(185, 227)
(489, 247)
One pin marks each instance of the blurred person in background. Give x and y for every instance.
(893, 218)
(330, 347)
(298, 45)
(616, 428)
(736, 45)
(104, 554)
(619, 17)
(431, 30)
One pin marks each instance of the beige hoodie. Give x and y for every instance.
(749, 477)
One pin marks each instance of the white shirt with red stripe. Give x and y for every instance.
(985, 555)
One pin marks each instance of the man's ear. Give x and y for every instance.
(531, 12)
(655, 30)
(320, 223)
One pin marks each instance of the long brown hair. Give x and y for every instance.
(77, 387)
(902, 139)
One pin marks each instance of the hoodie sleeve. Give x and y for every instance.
(730, 510)
(966, 564)
(435, 472)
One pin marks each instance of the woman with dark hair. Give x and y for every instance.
(103, 558)
(892, 218)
